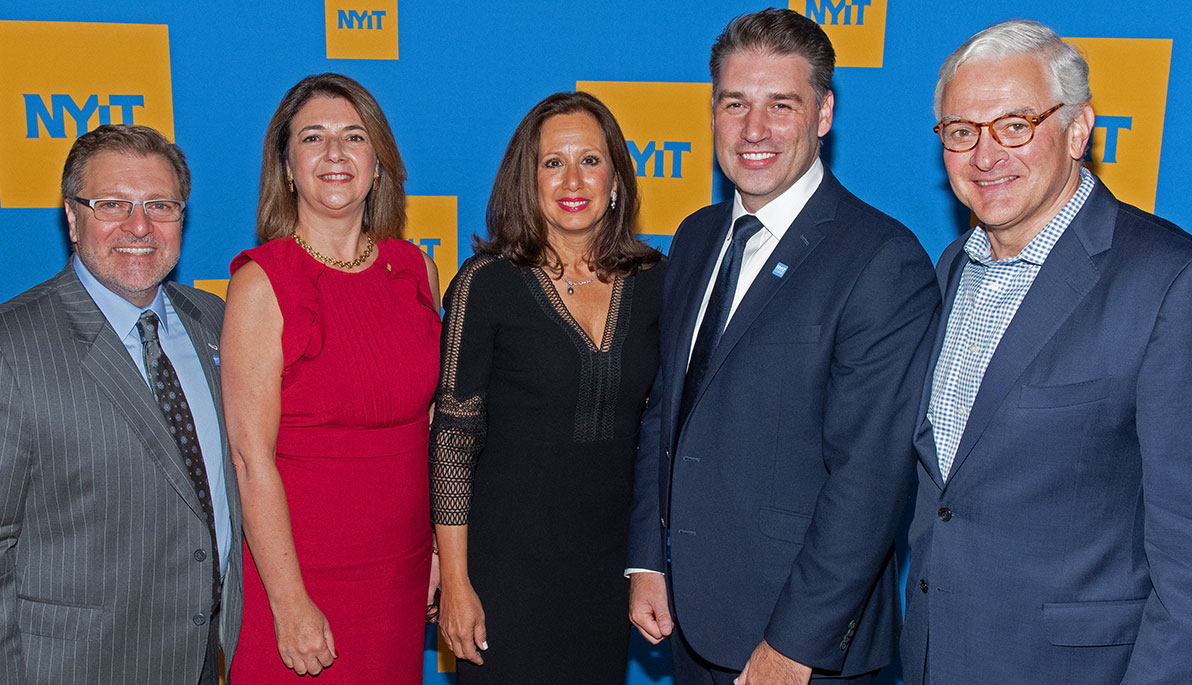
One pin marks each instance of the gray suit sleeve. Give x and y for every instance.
(14, 480)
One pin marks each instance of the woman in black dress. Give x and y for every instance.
(550, 344)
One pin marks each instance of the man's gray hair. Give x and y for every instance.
(1068, 70)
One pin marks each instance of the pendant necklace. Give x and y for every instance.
(571, 284)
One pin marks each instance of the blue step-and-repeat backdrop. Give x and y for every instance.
(455, 78)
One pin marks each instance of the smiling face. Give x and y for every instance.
(1013, 191)
(766, 123)
(330, 159)
(132, 256)
(575, 176)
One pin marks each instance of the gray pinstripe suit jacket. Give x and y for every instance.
(105, 555)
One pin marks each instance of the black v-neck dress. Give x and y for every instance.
(532, 447)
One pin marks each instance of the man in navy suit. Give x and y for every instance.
(1052, 539)
(775, 455)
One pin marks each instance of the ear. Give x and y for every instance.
(825, 114)
(71, 220)
(1080, 131)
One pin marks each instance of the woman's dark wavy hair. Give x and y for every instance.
(516, 226)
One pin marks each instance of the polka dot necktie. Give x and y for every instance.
(172, 403)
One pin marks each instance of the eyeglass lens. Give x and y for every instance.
(1010, 131)
(115, 210)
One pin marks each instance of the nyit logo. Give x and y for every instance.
(62, 79)
(668, 127)
(52, 115)
(653, 158)
(857, 28)
(846, 12)
(351, 19)
(359, 29)
(1129, 79)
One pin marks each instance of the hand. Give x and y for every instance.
(648, 608)
(304, 638)
(767, 666)
(461, 621)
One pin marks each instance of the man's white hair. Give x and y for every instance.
(1068, 71)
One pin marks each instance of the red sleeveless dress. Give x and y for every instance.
(361, 361)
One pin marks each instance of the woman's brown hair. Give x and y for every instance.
(277, 208)
(516, 227)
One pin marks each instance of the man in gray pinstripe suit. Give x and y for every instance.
(119, 557)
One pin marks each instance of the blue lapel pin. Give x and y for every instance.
(779, 270)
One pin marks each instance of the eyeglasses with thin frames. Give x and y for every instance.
(1010, 130)
(115, 209)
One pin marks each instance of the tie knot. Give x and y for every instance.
(147, 326)
(745, 227)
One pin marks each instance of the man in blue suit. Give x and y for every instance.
(1052, 539)
(775, 454)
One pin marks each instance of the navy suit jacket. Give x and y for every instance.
(782, 491)
(1060, 548)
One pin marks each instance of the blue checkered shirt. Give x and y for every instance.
(987, 300)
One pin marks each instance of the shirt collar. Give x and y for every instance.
(119, 312)
(779, 213)
(1036, 251)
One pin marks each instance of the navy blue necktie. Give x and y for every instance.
(716, 315)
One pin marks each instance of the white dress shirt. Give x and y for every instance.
(776, 217)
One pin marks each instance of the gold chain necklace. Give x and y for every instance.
(329, 261)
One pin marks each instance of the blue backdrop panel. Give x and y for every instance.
(455, 78)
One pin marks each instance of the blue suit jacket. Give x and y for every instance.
(1060, 549)
(785, 485)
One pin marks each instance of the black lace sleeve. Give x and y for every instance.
(460, 424)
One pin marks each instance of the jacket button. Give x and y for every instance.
(199, 619)
(200, 555)
(945, 514)
(923, 586)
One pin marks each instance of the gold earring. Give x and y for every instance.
(377, 180)
(290, 183)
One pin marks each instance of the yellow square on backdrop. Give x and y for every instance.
(668, 127)
(432, 224)
(62, 79)
(857, 28)
(1128, 77)
(361, 30)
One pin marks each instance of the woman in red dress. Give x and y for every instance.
(330, 358)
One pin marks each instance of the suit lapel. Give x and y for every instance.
(691, 284)
(948, 272)
(104, 357)
(801, 237)
(1066, 277)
